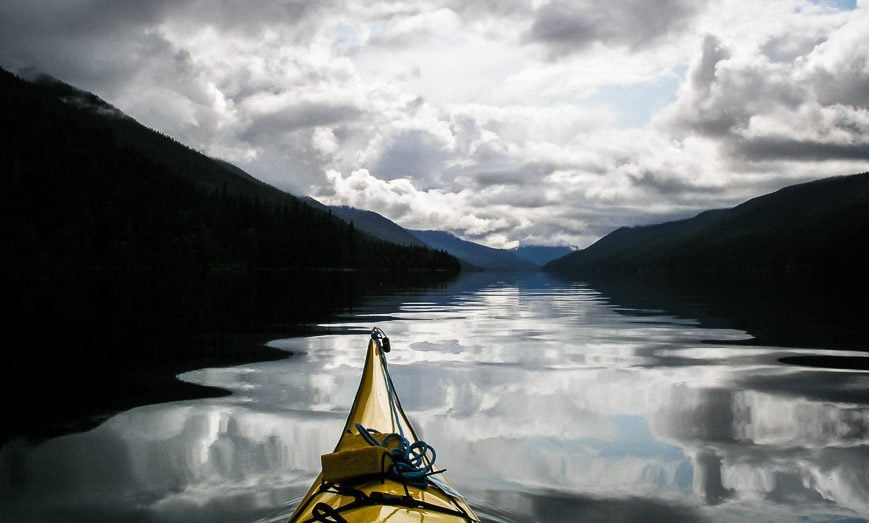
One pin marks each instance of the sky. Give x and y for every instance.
(506, 122)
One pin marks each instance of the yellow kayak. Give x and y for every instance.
(380, 470)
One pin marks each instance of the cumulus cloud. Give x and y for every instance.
(761, 106)
(502, 121)
(418, 208)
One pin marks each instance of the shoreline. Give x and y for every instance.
(81, 346)
(70, 409)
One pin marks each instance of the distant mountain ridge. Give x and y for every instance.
(820, 226)
(480, 256)
(472, 256)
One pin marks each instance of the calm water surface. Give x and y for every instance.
(546, 401)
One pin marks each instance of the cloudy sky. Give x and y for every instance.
(506, 122)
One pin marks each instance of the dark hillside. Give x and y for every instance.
(820, 227)
(83, 186)
(91, 111)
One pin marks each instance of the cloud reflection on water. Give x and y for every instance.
(545, 402)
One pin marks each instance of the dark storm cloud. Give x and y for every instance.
(565, 27)
(760, 149)
(518, 175)
(78, 18)
(516, 196)
(484, 8)
(411, 153)
(667, 184)
(242, 14)
(299, 116)
(90, 43)
(245, 19)
(104, 42)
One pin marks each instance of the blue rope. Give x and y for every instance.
(410, 461)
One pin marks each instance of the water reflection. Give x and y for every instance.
(546, 400)
(116, 338)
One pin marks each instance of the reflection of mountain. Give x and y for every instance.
(777, 311)
(821, 227)
(540, 254)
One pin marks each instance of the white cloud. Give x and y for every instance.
(787, 95)
(418, 209)
(323, 140)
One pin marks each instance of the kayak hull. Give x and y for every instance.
(354, 487)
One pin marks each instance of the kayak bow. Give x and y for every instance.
(380, 470)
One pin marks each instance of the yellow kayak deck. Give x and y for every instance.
(359, 481)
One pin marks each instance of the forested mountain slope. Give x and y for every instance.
(820, 226)
(82, 185)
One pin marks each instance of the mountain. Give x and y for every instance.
(477, 255)
(472, 256)
(541, 254)
(820, 227)
(376, 225)
(83, 185)
(93, 112)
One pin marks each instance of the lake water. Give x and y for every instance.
(546, 401)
